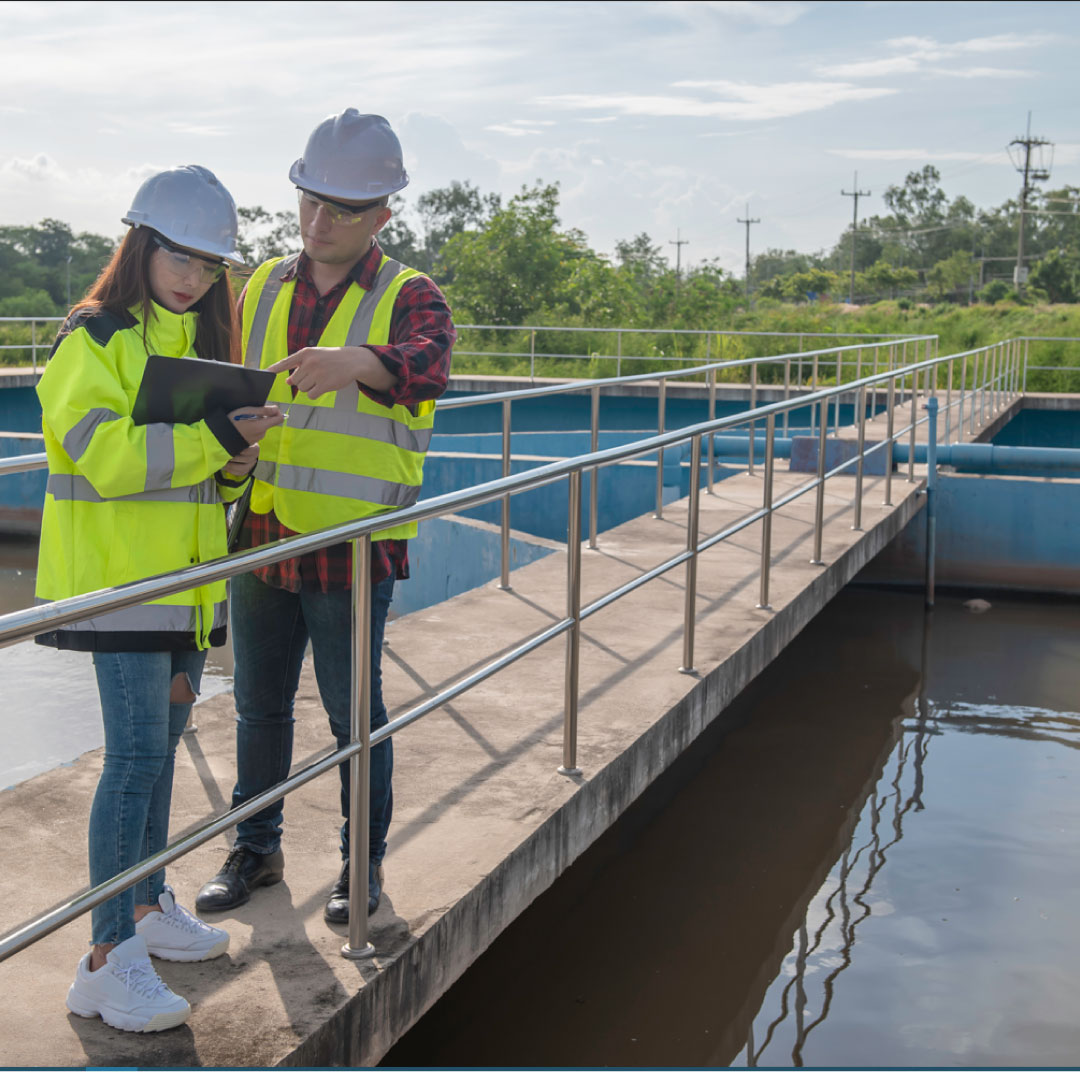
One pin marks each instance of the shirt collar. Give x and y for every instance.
(363, 272)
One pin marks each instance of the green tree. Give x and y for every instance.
(1057, 277)
(267, 236)
(518, 266)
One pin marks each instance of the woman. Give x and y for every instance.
(125, 501)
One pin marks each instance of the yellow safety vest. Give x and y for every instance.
(124, 501)
(340, 456)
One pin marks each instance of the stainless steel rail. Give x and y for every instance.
(710, 370)
(19, 625)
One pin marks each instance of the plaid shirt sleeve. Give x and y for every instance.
(422, 335)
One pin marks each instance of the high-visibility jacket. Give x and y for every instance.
(124, 501)
(339, 456)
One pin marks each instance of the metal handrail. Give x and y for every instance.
(19, 625)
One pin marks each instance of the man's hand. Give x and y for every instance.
(321, 370)
(244, 462)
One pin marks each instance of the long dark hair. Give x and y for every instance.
(125, 283)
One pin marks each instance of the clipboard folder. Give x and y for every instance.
(185, 390)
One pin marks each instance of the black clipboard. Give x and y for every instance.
(185, 390)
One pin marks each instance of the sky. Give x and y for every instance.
(666, 118)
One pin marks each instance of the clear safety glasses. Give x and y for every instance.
(338, 212)
(181, 263)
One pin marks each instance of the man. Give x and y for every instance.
(362, 347)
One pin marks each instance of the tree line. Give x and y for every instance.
(514, 262)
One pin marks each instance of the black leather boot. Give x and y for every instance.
(243, 871)
(337, 907)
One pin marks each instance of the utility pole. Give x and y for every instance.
(1032, 174)
(678, 243)
(748, 221)
(854, 228)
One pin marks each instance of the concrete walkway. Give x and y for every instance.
(483, 822)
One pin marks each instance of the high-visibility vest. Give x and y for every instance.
(123, 500)
(340, 456)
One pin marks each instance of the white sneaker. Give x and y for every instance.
(173, 933)
(126, 991)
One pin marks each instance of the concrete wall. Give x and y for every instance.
(993, 532)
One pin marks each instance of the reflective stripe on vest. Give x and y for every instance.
(148, 618)
(70, 487)
(346, 486)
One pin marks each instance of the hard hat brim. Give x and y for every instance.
(337, 191)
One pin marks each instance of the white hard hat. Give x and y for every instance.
(351, 156)
(190, 206)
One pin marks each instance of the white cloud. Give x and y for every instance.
(774, 13)
(739, 101)
(871, 69)
(510, 129)
(984, 73)
(213, 131)
(915, 53)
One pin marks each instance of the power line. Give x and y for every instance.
(748, 221)
(854, 229)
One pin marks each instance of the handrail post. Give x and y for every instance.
(982, 387)
(358, 947)
(948, 404)
(931, 495)
(1027, 346)
(618, 353)
(787, 390)
(532, 354)
(836, 404)
(661, 410)
(504, 580)
(573, 633)
(766, 505)
(873, 388)
(819, 515)
(976, 361)
(709, 479)
(594, 473)
(861, 406)
(813, 389)
(692, 520)
(914, 418)
(753, 406)
(889, 427)
(33, 344)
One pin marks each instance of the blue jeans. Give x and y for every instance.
(129, 820)
(270, 631)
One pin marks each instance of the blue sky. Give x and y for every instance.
(652, 116)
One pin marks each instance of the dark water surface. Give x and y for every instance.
(877, 865)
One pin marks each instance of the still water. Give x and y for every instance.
(877, 864)
(50, 712)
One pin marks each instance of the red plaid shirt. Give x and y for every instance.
(421, 337)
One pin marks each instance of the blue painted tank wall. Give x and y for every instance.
(992, 532)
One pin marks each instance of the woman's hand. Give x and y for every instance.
(257, 420)
(244, 462)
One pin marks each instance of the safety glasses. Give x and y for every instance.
(339, 213)
(182, 262)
